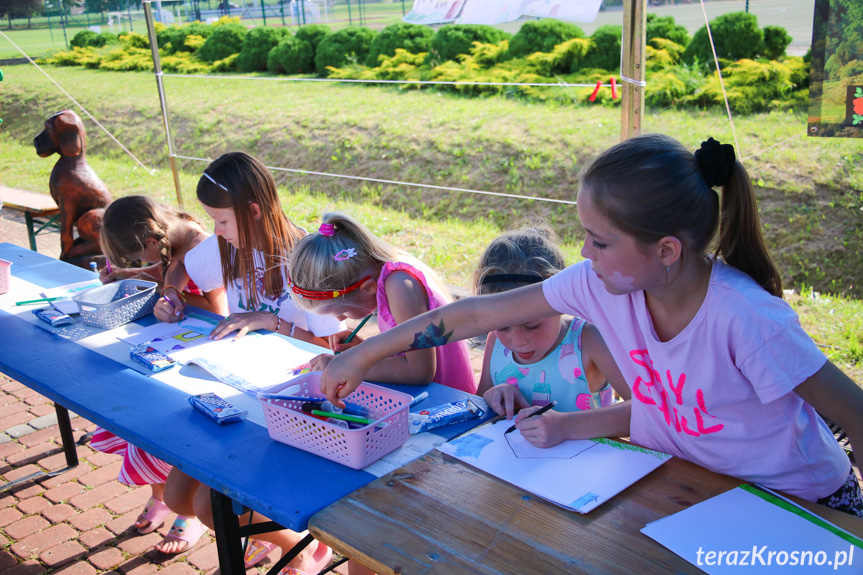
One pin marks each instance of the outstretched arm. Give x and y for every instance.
(834, 394)
(460, 320)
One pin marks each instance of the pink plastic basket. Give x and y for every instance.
(4, 275)
(355, 448)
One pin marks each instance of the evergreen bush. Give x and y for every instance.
(225, 40)
(104, 39)
(664, 27)
(454, 40)
(291, 56)
(412, 38)
(347, 45)
(776, 40)
(134, 40)
(736, 36)
(542, 36)
(256, 47)
(314, 34)
(83, 39)
(176, 36)
(605, 52)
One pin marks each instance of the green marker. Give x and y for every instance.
(38, 300)
(343, 416)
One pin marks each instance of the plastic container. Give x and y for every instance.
(116, 303)
(355, 448)
(5, 269)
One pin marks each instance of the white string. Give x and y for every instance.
(358, 81)
(398, 183)
(633, 80)
(803, 133)
(721, 81)
(104, 129)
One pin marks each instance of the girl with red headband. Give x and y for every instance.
(346, 271)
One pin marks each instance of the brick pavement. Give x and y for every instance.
(80, 522)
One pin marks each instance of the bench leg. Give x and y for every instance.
(30, 233)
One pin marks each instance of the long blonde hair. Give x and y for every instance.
(327, 263)
(236, 180)
(130, 221)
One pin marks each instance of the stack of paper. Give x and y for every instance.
(66, 304)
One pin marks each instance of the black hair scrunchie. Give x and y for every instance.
(715, 162)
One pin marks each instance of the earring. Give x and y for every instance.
(667, 269)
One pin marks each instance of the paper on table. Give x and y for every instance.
(172, 338)
(750, 527)
(576, 474)
(67, 305)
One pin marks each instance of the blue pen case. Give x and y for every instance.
(217, 408)
(151, 358)
(53, 317)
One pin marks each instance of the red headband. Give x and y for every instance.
(323, 295)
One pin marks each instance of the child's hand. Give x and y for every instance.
(546, 430)
(320, 362)
(343, 375)
(243, 323)
(169, 311)
(114, 275)
(505, 400)
(337, 340)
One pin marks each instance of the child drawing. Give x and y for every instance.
(721, 372)
(555, 358)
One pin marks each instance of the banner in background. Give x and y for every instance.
(498, 11)
(836, 70)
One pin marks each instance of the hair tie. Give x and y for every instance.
(326, 229)
(512, 278)
(715, 162)
(209, 177)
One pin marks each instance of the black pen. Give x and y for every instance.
(541, 410)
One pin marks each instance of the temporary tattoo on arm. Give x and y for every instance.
(433, 336)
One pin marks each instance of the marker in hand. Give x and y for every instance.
(173, 305)
(540, 411)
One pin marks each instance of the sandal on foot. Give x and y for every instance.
(321, 557)
(187, 530)
(155, 512)
(256, 550)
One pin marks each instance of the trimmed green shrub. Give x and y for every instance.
(104, 39)
(225, 40)
(134, 40)
(291, 56)
(314, 34)
(542, 36)
(561, 59)
(176, 35)
(736, 36)
(454, 40)
(605, 52)
(664, 27)
(256, 47)
(776, 40)
(83, 39)
(412, 38)
(348, 45)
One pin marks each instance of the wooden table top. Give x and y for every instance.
(438, 515)
(33, 202)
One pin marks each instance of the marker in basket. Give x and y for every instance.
(342, 416)
(356, 329)
(540, 411)
(324, 405)
(40, 300)
(291, 397)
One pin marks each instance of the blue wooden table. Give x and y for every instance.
(240, 461)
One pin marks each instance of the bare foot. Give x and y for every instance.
(184, 533)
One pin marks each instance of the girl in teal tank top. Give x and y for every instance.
(559, 359)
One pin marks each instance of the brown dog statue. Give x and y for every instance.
(78, 191)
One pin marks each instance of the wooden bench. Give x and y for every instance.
(39, 209)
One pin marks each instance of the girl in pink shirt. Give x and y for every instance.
(721, 372)
(346, 271)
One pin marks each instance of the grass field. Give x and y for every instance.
(793, 15)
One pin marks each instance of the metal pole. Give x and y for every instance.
(350, 22)
(282, 10)
(263, 13)
(63, 23)
(747, 6)
(129, 12)
(403, 7)
(632, 67)
(47, 15)
(157, 70)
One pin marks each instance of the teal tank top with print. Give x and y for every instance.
(559, 376)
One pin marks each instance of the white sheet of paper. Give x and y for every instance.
(576, 474)
(755, 535)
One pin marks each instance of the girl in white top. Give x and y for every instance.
(721, 371)
(250, 257)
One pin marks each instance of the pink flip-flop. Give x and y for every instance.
(188, 529)
(155, 512)
(322, 557)
(256, 550)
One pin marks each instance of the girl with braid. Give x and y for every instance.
(137, 229)
(678, 280)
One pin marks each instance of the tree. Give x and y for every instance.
(20, 9)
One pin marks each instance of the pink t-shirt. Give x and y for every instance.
(720, 393)
(453, 367)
